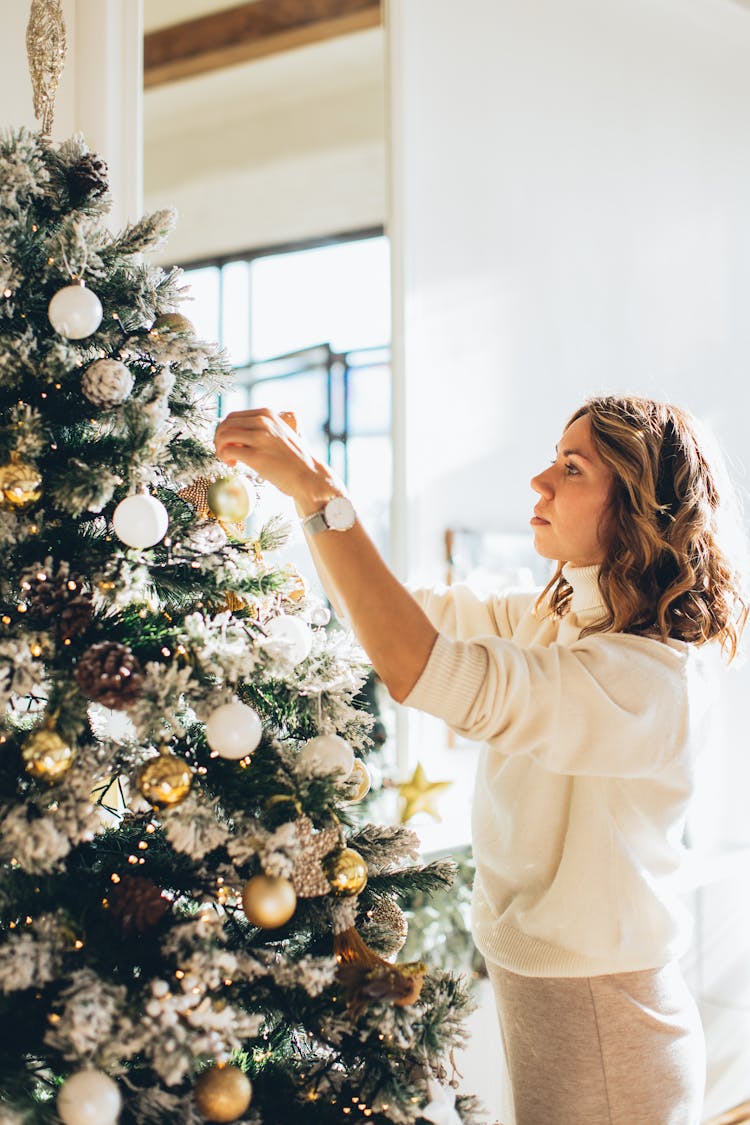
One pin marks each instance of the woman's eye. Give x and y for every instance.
(571, 469)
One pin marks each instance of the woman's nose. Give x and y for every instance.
(540, 483)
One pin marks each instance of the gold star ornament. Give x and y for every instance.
(419, 794)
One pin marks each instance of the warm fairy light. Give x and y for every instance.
(34, 227)
(115, 878)
(7, 292)
(78, 944)
(50, 261)
(165, 651)
(28, 919)
(179, 974)
(53, 1017)
(132, 859)
(5, 619)
(150, 827)
(202, 769)
(228, 982)
(72, 585)
(105, 903)
(142, 845)
(66, 641)
(40, 577)
(43, 394)
(21, 608)
(367, 1112)
(33, 529)
(12, 925)
(36, 649)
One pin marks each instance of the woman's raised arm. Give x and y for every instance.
(389, 624)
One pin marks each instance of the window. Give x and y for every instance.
(308, 329)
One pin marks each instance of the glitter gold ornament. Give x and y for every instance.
(269, 901)
(47, 755)
(309, 879)
(196, 494)
(166, 780)
(223, 1093)
(230, 499)
(20, 483)
(347, 872)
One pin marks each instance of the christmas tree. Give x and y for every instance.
(194, 924)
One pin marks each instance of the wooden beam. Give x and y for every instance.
(249, 31)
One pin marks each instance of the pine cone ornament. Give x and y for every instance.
(88, 177)
(386, 928)
(137, 904)
(110, 674)
(107, 382)
(57, 598)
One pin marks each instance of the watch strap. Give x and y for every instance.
(315, 522)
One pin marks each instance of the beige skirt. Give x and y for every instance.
(622, 1049)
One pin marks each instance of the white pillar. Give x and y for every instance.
(100, 92)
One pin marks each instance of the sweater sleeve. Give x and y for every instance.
(613, 705)
(460, 614)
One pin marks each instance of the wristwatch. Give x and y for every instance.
(337, 515)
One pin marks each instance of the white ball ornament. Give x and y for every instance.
(140, 520)
(294, 632)
(328, 753)
(89, 1097)
(75, 312)
(233, 730)
(107, 382)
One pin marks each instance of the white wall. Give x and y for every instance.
(282, 149)
(569, 215)
(570, 186)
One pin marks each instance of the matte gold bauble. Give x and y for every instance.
(223, 1093)
(165, 781)
(357, 785)
(346, 871)
(229, 499)
(269, 901)
(172, 322)
(20, 483)
(47, 755)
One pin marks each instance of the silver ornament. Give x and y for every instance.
(107, 382)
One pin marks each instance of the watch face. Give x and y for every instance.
(339, 513)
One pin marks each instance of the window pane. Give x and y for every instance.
(371, 483)
(306, 394)
(235, 313)
(335, 294)
(369, 400)
(203, 307)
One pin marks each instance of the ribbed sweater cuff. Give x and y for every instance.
(450, 680)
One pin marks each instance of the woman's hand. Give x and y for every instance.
(274, 450)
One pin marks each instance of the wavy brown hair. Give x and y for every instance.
(669, 570)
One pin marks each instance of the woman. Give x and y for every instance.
(590, 698)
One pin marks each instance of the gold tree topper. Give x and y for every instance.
(46, 47)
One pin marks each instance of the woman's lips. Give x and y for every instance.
(537, 521)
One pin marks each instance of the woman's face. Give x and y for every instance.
(571, 516)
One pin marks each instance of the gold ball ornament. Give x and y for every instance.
(269, 901)
(20, 483)
(357, 785)
(47, 755)
(346, 871)
(175, 323)
(165, 781)
(230, 499)
(223, 1093)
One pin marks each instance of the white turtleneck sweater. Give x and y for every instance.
(584, 780)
